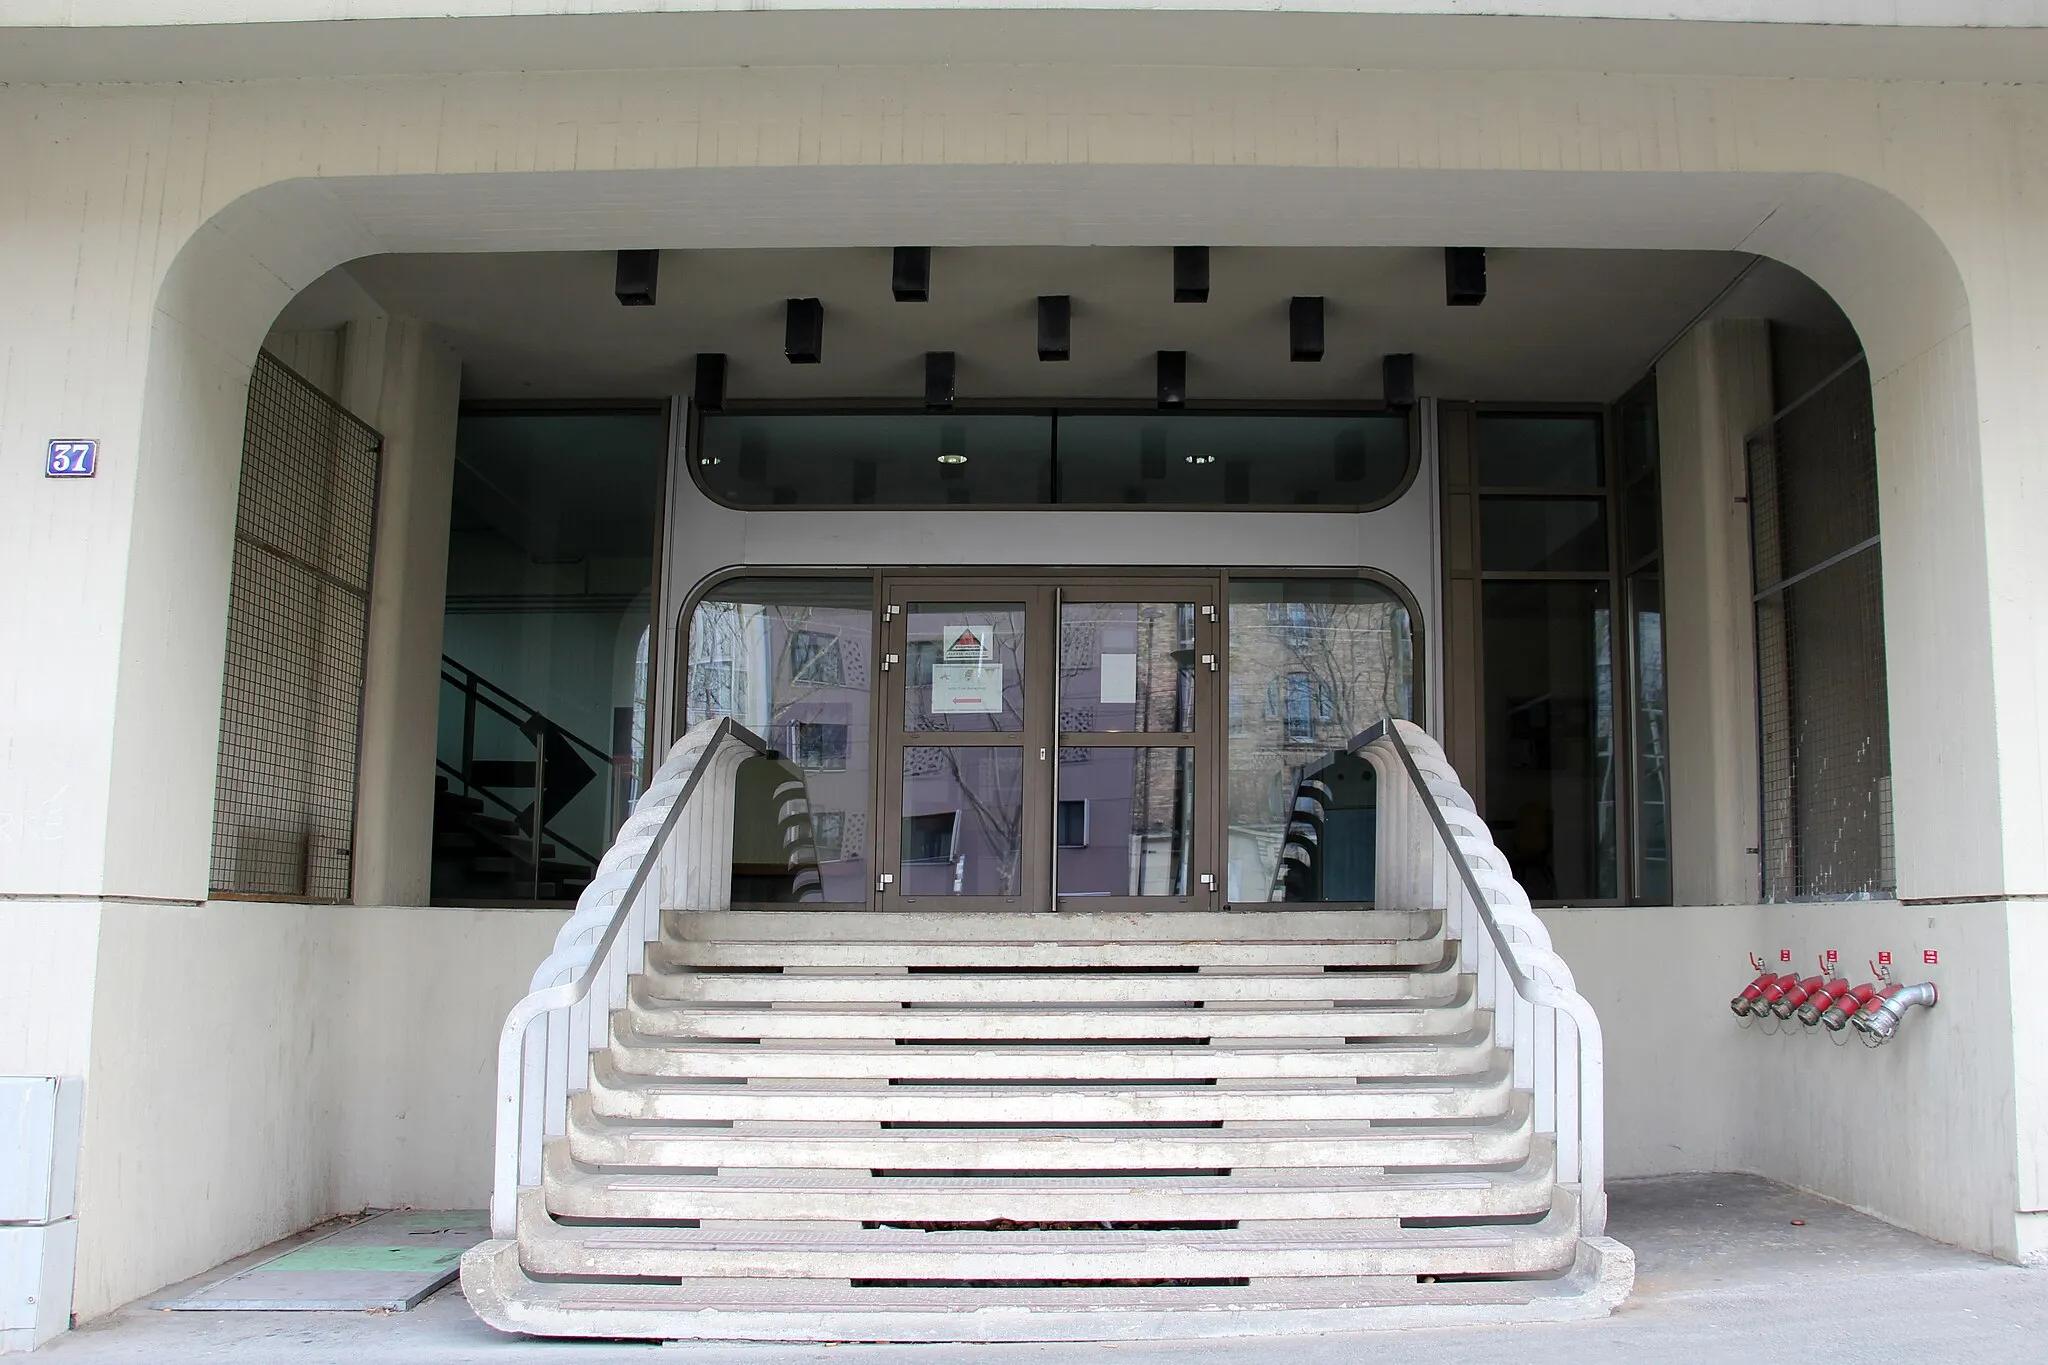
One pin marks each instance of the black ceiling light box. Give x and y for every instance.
(910, 279)
(1464, 276)
(1191, 274)
(1173, 379)
(1055, 326)
(635, 277)
(1397, 380)
(938, 379)
(1305, 327)
(803, 333)
(709, 395)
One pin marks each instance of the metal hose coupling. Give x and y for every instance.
(1881, 1020)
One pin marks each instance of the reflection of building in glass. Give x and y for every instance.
(1312, 663)
(788, 659)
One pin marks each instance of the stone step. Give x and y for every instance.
(1062, 926)
(1503, 1140)
(637, 1054)
(576, 1191)
(615, 1096)
(674, 954)
(1326, 1247)
(784, 1310)
(1011, 988)
(654, 1018)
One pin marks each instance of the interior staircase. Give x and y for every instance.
(811, 1125)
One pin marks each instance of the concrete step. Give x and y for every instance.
(672, 954)
(576, 1191)
(811, 924)
(1503, 1140)
(653, 1017)
(1462, 1054)
(823, 1251)
(784, 1310)
(614, 1096)
(1020, 988)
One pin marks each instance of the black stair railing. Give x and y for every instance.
(523, 851)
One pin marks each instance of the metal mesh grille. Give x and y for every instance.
(1826, 745)
(284, 804)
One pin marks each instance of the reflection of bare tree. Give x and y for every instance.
(996, 807)
(1001, 819)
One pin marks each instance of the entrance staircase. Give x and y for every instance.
(806, 1125)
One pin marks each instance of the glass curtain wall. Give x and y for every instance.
(1313, 661)
(789, 658)
(1643, 596)
(544, 675)
(1546, 639)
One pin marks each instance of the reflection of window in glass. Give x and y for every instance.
(828, 831)
(711, 694)
(814, 658)
(818, 746)
(1073, 824)
(1301, 726)
(930, 838)
(1237, 710)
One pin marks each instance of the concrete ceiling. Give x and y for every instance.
(1557, 325)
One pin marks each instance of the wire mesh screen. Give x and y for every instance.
(1825, 737)
(284, 804)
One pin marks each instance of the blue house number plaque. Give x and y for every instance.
(72, 460)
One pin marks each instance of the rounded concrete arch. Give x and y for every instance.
(1879, 259)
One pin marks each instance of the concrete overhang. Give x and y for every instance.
(90, 41)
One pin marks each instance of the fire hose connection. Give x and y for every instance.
(1822, 1000)
(1750, 994)
(1836, 1017)
(1880, 1019)
(1797, 996)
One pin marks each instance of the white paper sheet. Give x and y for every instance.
(970, 689)
(1119, 679)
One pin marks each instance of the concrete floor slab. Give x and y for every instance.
(1730, 1267)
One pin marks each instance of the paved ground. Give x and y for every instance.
(1725, 1275)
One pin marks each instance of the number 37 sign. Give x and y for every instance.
(72, 460)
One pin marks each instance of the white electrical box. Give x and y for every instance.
(40, 1121)
(35, 1283)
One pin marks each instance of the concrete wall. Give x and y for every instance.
(152, 233)
(258, 1067)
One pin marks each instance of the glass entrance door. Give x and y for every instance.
(967, 733)
(1047, 744)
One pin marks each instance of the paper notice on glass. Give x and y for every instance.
(965, 644)
(1119, 679)
(966, 689)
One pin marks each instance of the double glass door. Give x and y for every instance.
(1048, 744)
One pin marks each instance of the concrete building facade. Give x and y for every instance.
(174, 188)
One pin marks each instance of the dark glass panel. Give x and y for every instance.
(1549, 715)
(887, 459)
(1528, 535)
(1206, 460)
(1547, 450)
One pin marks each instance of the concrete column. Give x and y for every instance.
(411, 380)
(1713, 388)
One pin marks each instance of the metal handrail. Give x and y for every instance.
(1538, 977)
(711, 740)
(532, 712)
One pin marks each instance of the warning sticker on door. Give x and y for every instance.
(967, 689)
(965, 644)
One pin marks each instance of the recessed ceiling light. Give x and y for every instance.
(707, 461)
(952, 457)
(1199, 459)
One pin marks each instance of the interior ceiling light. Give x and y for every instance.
(1199, 459)
(952, 457)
